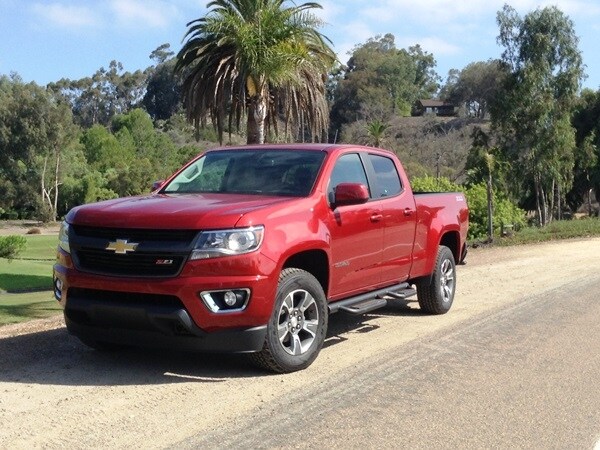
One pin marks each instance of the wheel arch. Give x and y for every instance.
(451, 239)
(315, 262)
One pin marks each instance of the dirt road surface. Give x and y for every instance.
(56, 393)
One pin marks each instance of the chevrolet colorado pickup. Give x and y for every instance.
(250, 249)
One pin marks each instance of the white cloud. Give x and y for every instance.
(583, 8)
(149, 13)
(66, 15)
(431, 44)
(347, 37)
(330, 12)
(438, 12)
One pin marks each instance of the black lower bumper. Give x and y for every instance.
(158, 327)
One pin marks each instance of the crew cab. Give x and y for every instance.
(250, 249)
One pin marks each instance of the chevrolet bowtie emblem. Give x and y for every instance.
(121, 246)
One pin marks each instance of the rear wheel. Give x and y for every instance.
(298, 324)
(436, 294)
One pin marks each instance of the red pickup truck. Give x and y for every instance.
(250, 249)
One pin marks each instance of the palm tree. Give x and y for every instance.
(259, 59)
(376, 132)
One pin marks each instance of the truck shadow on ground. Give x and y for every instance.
(56, 358)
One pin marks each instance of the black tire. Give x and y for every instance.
(436, 293)
(298, 325)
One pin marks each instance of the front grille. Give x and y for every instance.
(133, 264)
(136, 234)
(124, 298)
(154, 253)
(123, 310)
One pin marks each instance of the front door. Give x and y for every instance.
(356, 234)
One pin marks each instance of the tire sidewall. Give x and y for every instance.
(444, 254)
(290, 280)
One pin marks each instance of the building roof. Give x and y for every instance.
(434, 103)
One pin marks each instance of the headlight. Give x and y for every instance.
(212, 244)
(63, 237)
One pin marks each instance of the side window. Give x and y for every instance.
(388, 180)
(348, 169)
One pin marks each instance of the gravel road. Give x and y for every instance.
(56, 393)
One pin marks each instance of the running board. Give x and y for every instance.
(371, 301)
(365, 306)
(403, 294)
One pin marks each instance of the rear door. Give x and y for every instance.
(356, 233)
(399, 217)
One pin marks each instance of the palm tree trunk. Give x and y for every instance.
(257, 113)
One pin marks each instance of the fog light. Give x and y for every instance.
(223, 301)
(230, 298)
(58, 285)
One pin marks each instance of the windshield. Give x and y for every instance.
(265, 172)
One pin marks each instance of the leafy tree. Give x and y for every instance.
(534, 108)
(127, 159)
(163, 92)
(586, 121)
(257, 58)
(163, 89)
(38, 142)
(381, 80)
(476, 87)
(162, 53)
(97, 99)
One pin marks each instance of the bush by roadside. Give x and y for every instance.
(11, 246)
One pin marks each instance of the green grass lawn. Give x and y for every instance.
(32, 270)
(16, 308)
(563, 229)
(26, 282)
(40, 247)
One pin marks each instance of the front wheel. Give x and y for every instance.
(436, 293)
(298, 324)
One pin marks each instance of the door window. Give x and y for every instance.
(348, 169)
(388, 180)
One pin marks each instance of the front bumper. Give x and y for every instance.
(165, 312)
(159, 327)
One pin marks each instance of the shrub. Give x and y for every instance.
(505, 212)
(432, 184)
(11, 246)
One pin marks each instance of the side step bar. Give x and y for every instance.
(371, 301)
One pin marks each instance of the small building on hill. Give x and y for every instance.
(435, 107)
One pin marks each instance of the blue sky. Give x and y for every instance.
(44, 41)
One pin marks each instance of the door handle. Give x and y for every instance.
(408, 212)
(376, 217)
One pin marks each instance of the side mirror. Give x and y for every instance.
(157, 185)
(351, 194)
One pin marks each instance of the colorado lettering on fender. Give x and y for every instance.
(235, 252)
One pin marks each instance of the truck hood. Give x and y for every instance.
(171, 211)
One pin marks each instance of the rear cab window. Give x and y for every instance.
(387, 179)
